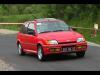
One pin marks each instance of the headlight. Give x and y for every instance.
(80, 39)
(52, 42)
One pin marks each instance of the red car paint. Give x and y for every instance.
(29, 42)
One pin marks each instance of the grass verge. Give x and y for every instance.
(86, 22)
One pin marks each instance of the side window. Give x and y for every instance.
(30, 29)
(31, 26)
(24, 28)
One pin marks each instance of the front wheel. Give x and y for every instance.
(20, 50)
(40, 53)
(80, 54)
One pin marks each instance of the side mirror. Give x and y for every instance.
(31, 32)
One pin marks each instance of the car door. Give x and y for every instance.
(31, 38)
(23, 35)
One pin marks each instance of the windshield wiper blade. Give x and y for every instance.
(45, 31)
(58, 30)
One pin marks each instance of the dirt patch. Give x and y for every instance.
(6, 31)
(5, 67)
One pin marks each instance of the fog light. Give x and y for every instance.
(54, 49)
(80, 47)
(58, 49)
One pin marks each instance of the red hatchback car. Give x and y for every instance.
(47, 36)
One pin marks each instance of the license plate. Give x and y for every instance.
(67, 49)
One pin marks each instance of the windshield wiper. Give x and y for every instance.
(45, 31)
(58, 30)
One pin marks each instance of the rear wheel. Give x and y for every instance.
(40, 53)
(20, 50)
(80, 54)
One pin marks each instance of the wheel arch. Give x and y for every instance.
(18, 42)
(39, 44)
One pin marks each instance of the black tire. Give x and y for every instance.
(80, 54)
(20, 50)
(40, 54)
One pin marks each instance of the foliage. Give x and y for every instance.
(82, 15)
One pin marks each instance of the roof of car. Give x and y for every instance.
(46, 19)
(43, 19)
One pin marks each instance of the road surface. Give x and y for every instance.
(8, 53)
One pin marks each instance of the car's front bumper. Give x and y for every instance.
(57, 49)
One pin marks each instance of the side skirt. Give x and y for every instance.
(30, 51)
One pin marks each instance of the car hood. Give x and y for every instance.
(63, 36)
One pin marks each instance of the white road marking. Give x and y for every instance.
(93, 44)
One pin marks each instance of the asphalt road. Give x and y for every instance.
(8, 53)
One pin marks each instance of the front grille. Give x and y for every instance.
(67, 42)
(71, 46)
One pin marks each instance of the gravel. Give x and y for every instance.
(5, 67)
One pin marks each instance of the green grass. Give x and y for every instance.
(10, 27)
(87, 35)
(20, 18)
(17, 19)
(86, 22)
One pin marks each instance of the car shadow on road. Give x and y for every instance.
(50, 58)
(61, 58)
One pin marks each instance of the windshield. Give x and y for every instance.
(54, 26)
